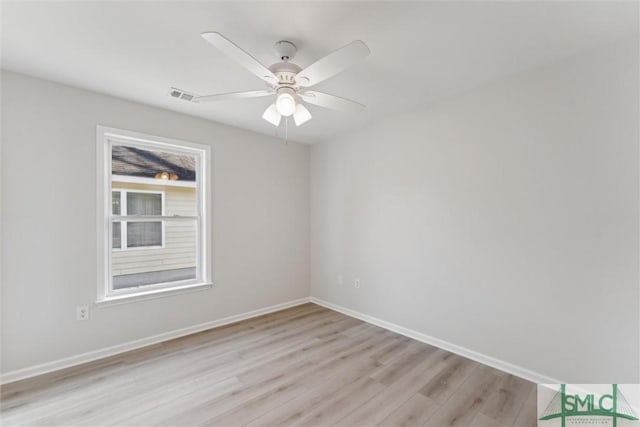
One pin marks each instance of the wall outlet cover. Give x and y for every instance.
(82, 312)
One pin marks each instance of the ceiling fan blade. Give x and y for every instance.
(332, 64)
(271, 115)
(230, 49)
(301, 115)
(331, 101)
(233, 95)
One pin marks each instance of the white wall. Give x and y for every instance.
(504, 221)
(260, 222)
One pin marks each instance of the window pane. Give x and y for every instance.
(144, 204)
(155, 164)
(117, 234)
(136, 280)
(140, 234)
(176, 261)
(115, 202)
(153, 182)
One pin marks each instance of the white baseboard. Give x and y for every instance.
(445, 345)
(90, 356)
(67, 362)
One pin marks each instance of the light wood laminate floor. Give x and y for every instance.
(306, 365)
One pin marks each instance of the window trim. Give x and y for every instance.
(123, 227)
(124, 179)
(105, 138)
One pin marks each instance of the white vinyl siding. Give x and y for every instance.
(179, 249)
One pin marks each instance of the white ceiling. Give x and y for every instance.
(421, 52)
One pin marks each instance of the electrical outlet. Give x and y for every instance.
(356, 283)
(340, 281)
(82, 312)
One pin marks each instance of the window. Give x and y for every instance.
(128, 235)
(153, 206)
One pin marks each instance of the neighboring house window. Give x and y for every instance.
(154, 219)
(128, 235)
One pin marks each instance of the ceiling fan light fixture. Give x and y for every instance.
(288, 81)
(286, 103)
(301, 115)
(271, 115)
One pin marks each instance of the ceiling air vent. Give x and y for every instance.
(181, 94)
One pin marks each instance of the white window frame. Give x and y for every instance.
(123, 224)
(106, 137)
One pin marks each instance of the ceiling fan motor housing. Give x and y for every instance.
(286, 73)
(285, 70)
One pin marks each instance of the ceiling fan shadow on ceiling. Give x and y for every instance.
(286, 81)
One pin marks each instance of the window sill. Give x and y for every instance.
(152, 294)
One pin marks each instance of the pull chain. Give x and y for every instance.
(286, 131)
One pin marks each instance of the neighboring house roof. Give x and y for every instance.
(136, 162)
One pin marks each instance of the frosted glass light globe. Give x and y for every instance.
(285, 104)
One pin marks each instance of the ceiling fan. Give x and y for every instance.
(287, 81)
